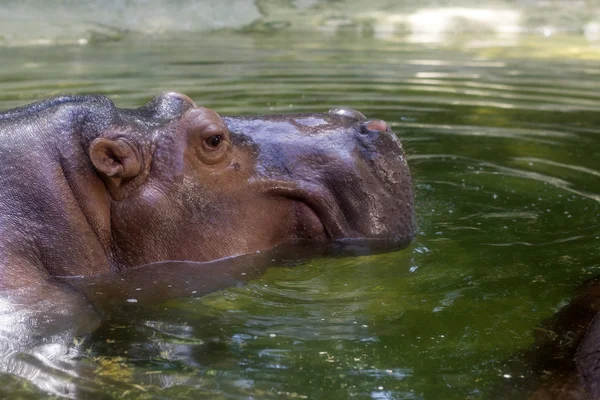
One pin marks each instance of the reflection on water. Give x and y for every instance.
(503, 144)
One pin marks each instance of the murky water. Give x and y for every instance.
(504, 146)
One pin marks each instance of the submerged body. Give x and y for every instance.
(564, 361)
(87, 188)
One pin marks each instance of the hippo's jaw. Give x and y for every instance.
(347, 177)
(318, 214)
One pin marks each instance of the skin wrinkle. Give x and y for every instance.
(102, 243)
(84, 198)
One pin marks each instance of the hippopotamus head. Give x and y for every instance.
(174, 181)
(199, 187)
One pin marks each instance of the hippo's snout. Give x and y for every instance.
(350, 170)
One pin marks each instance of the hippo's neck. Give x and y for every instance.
(89, 205)
(53, 203)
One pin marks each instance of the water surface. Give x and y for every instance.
(503, 143)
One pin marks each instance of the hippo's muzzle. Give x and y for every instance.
(348, 175)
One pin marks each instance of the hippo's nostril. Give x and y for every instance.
(375, 125)
(347, 112)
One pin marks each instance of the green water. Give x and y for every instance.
(503, 143)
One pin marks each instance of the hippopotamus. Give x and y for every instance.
(103, 209)
(564, 361)
(87, 188)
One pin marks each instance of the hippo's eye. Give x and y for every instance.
(214, 141)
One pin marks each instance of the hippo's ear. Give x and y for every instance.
(115, 159)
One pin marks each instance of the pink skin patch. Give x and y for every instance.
(377, 125)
